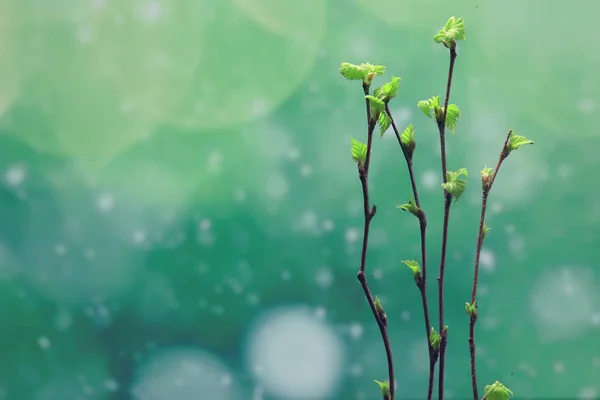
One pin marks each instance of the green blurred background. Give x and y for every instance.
(180, 216)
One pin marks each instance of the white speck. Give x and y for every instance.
(516, 244)
(139, 237)
(89, 253)
(214, 161)
(588, 393)
(496, 207)
(239, 195)
(356, 330)
(305, 170)
(528, 369)
(489, 322)
(324, 277)
(586, 106)
(595, 319)
(308, 222)
(483, 290)
(199, 107)
(377, 274)
(60, 249)
(293, 153)
(564, 171)
(405, 315)
(111, 385)
(510, 229)
(320, 313)
(15, 175)
(152, 11)
(276, 187)
(43, 342)
(259, 107)
(558, 367)
(84, 35)
(487, 260)
(352, 235)
(294, 355)
(355, 370)
(328, 225)
(205, 225)
(105, 202)
(430, 179)
(596, 362)
(286, 275)
(226, 380)
(126, 106)
(252, 299)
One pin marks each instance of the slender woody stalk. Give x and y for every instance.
(447, 203)
(423, 228)
(485, 191)
(369, 213)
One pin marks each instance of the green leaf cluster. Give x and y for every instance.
(364, 72)
(408, 140)
(471, 309)
(455, 186)
(497, 391)
(453, 30)
(435, 339)
(432, 108)
(415, 269)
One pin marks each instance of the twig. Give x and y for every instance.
(486, 187)
(369, 213)
(447, 203)
(423, 227)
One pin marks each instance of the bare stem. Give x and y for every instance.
(423, 227)
(369, 213)
(447, 203)
(486, 187)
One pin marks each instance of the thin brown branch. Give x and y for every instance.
(369, 213)
(486, 187)
(423, 228)
(447, 203)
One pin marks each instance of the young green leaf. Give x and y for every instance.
(385, 389)
(359, 151)
(411, 206)
(434, 339)
(452, 116)
(388, 90)
(497, 391)
(486, 230)
(515, 141)
(453, 185)
(377, 106)
(415, 269)
(365, 72)
(380, 310)
(408, 140)
(486, 177)
(452, 31)
(352, 72)
(430, 106)
(471, 309)
(384, 122)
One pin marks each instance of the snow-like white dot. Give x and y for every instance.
(430, 179)
(105, 202)
(588, 393)
(328, 225)
(286, 275)
(294, 355)
(356, 330)
(214, 162)
(183, 373)
(15, 175)
(558, 367)
(205, 224)
(405, 315)
(152, 11)
(139, 237)
(377, 274)
(586, 105)
(487, 260)
(324, 277)
(562, 302)
(60, 249)
(85, 35)
(259, 107)
(305, 170)
(43, 342)
(352, 235)
(276, 187)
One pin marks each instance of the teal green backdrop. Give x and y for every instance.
(180, 217)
